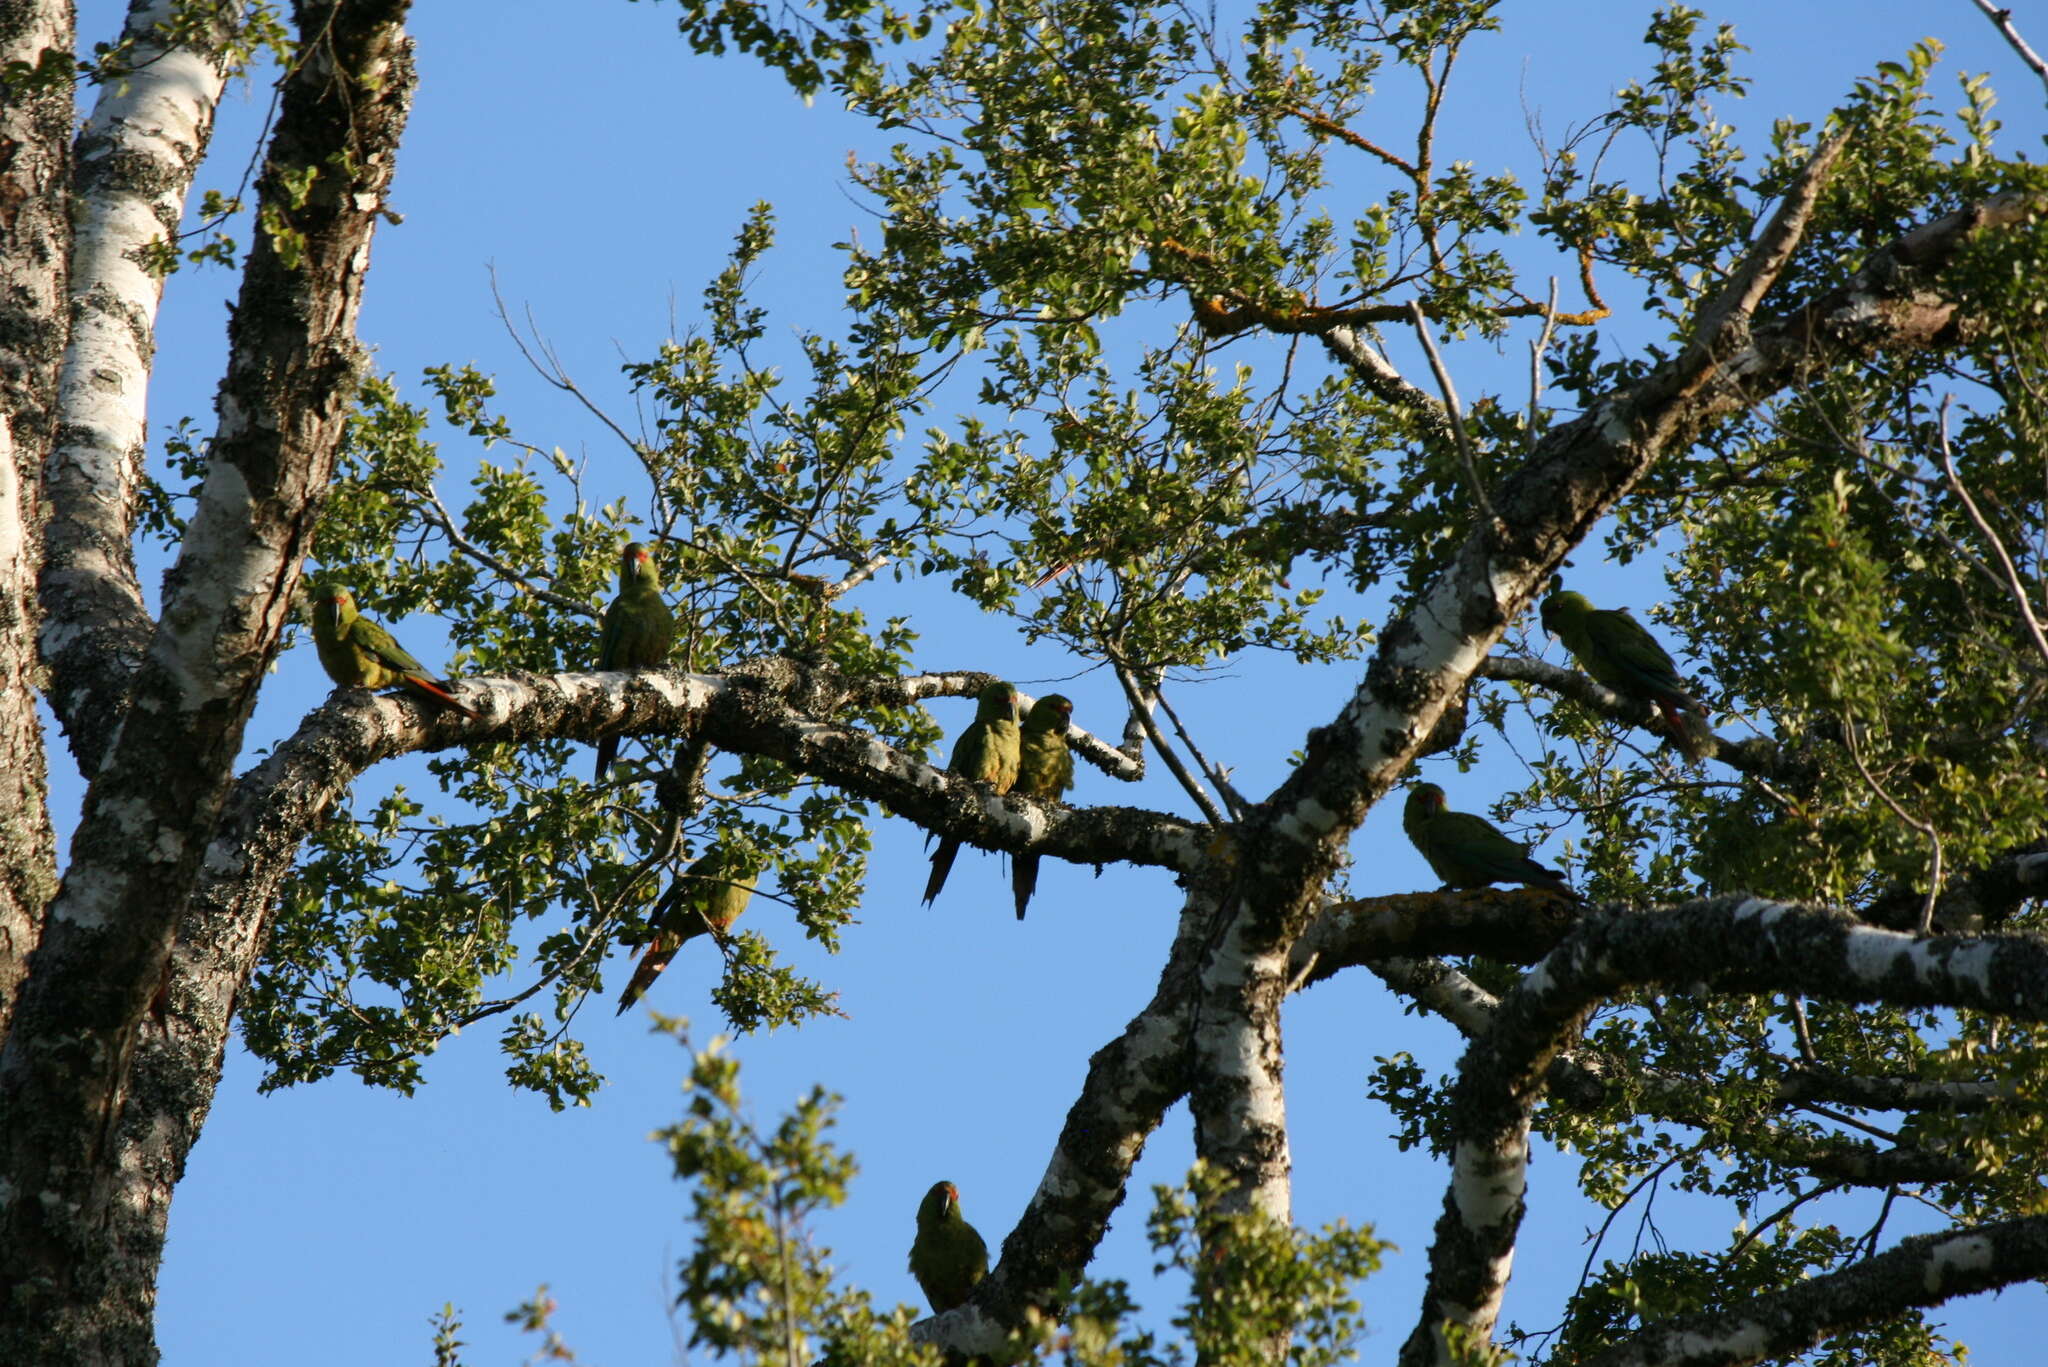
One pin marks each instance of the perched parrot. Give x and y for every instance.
(638, 629)
(947, 1257)
(987, 752)
(1466, 851)
(357, 653)
(1045, 769)
(709, 896)
(1612, 646)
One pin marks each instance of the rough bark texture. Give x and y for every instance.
(35, 177)
(80, 1237)
(107, 1075)
(1924, 1270)
(135, 160)
(1729, 944)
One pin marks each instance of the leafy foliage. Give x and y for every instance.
(1116, 369)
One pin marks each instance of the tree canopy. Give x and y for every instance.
(1190, 351)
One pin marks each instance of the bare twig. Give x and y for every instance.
(2013, 584)
(1459, 435)
(1219, 777)
(1338, 131)
(1779, 1214)
(1805, 1032)
(2001, 19)
(437, 512)
(1925, 828)
(549, 367)
(1179, 769)
(1536, 350)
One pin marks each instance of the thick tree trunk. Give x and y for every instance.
(35, 177)
(81, 1231)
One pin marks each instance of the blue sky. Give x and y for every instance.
(585, 154)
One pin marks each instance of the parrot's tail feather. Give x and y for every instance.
(942, 864)
(1676, 725)
(1023, 880)
(438, 693)
(649, 968)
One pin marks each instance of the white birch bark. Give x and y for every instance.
(135, 161)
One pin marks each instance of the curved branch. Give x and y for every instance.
(1731, 944)
(1577, 472)
(1926, 1269)
(1754, 755)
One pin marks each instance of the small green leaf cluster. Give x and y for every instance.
(1255, 1281)
(1618, 1299)
(755, 500)
(757, 1287)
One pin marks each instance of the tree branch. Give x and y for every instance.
(1926, 1269)
(2002, 19)
(1730, 944)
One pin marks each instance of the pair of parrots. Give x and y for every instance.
(1030, 757)
(1467, 851)
(359, 653)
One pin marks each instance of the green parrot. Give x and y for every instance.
(357, 653)
(638, 630)
(1045, 769)
(1612, 646)
(947, 1257)
(709, 897)
(1467, 851)
(988, 752)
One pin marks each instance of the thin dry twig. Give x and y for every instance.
(438, 513)
(1925, 828)
(1231, 798)
(1459, 436)
(2013, 583)
(2001, 19)
(1139, 710)
(1779, 1214)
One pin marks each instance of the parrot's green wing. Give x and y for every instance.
(381, 646)
(708, 898)
(1632, 657)
(1045, 769)
(987, 752)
